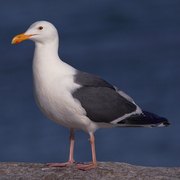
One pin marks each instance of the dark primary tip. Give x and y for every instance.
(166, 124)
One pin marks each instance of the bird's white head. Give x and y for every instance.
(40, 32)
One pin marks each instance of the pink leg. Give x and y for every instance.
(71, 159)
(85, 167)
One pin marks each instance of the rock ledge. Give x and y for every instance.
(105, 170)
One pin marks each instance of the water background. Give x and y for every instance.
(134, 45)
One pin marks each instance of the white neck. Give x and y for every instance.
(45, 52)
(46, 61)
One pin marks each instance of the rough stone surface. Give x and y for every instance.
(105, 170)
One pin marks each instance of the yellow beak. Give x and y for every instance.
(19, 38)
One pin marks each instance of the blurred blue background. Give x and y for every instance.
(134, 45)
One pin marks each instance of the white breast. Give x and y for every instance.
(52, 91)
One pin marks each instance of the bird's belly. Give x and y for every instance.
(61, 108)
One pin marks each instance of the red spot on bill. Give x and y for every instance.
(17, 42)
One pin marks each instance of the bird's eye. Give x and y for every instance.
(40, 27)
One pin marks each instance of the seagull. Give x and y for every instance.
(76, 99)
